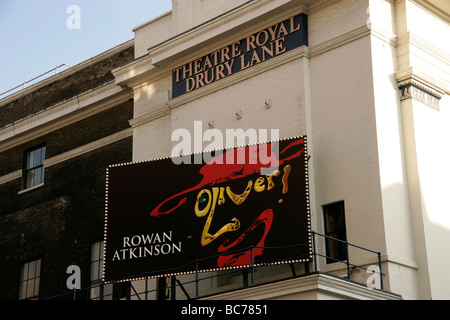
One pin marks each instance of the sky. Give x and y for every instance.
(38, 35)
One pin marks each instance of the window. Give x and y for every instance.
(34, 167)
(99, 291)
(29, 280)
(334, 218)
(163, 291)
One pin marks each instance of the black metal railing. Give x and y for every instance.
(25, 83)
(346, 259)
(198, 276)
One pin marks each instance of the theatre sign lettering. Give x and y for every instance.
(240, 55)
(164, 218)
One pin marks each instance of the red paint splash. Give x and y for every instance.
(245, 258)
(217, 171)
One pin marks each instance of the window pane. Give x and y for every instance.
(23, 290)
(34, 169)
(37, 157)
(94, 270)
(31, 269)
(30, 279)
(30, 288)
(330, 223)
(95, 292)
(98, 291)
(101, 267)
(42, 174)
(43, 154)
(30, 160)
(36, 287)
(107, 292)
(37, 176)
(30, 178)
(38, 267)
(24, 274)
(334, 217)
(95, 251)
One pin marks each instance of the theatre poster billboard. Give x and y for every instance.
(245, 206)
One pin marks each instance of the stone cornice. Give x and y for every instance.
(340, 40)
(418, 81)
(138, 73)
(88, 147)
(11, 176)
(73, 153)
(411, 39)
(62, 114)
(165, 109)
(156, 113)
(313, 284)
(194, 43)
(414, 89)
(440, 13)
(422, 86)
(231, 26)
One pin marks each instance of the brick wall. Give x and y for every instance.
(60, 220)
(67, 138)
(64, 88)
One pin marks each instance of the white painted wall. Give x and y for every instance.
(385, 158)
(424, 54)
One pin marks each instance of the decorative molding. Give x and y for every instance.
(88, 147)
(383, 34)
(200, 40)
(340, 40)
(73, 153)
(31, 188)
(150, 116)
(216, 31)
(430, 77)
(302, 52)
(62, 114)
(159, 112)
(353, 35)
(414, 89)
(308, 286)
(409, 38)
(138, 73)
(11, 176)
(439, 13)
(321, 5)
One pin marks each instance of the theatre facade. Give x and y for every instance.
(288, 149)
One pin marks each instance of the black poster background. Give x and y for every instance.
(135, 189)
